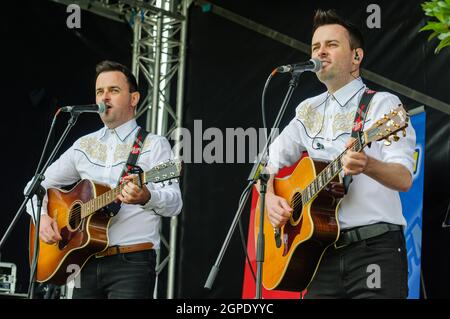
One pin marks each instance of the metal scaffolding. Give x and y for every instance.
(159, 51)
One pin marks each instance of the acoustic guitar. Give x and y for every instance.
(292, 253)
(83, 219)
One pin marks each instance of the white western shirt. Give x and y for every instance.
(100, 157)
(322, 127)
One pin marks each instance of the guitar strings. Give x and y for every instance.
(298, 197)
(76, 212)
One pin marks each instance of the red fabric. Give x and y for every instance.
(249, 286)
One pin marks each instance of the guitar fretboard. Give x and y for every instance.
(326, 175)
(160, 173)
(102, 200)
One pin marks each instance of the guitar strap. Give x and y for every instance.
(358, 125)
(114, 207)
(134, 154)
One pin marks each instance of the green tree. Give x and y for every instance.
(440, 9)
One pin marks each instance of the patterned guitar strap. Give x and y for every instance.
(129, 167)
(358, 125)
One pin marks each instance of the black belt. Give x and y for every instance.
(349, 236)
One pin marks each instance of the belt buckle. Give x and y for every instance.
(105, 253)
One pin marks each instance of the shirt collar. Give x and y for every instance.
(348, 91)
(122, 131)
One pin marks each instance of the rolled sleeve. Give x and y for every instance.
(402, 151)
(165, 199)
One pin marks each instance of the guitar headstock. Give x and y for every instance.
(163, 172)
(389, 125)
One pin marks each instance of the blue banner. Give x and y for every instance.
(412, 203)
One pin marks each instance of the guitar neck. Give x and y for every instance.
(385, 127)
(327, 174)
(104, 199)
(160, 173)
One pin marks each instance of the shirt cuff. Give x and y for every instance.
(155, 197)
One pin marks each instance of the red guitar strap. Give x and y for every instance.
(134, 154)
(358, 125)
(114, 207)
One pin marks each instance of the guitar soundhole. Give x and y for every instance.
(296, 204)
(75, 217)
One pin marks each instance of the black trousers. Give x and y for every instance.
(373, 268)
(121, 276)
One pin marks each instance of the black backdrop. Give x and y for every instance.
(228, 65)
(46, 64)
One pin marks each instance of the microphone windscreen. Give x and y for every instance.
(317, 64)
(101, 107)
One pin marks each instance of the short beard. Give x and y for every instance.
(325, 77)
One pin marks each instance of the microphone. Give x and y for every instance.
(90, 108)
(312, 65)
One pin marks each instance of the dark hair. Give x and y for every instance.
(323, 17)
(107, 66)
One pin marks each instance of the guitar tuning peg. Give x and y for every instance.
(170, 182)
(404, 132)
(163, 184)
(395, 138)
(386, 117)
(387, 142)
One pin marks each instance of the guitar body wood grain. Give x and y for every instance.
(312, 228)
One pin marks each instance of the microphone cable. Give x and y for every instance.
(249, 186)
(263, 106)
(33, 215)
(44, 150)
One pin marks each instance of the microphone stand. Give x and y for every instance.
(258, 173)
(36, 189)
